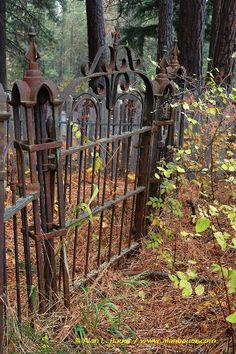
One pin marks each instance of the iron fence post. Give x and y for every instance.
(4, 116)
(144, 168)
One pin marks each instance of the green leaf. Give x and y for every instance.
(225, 167)
(181, 275)
(199, 290)
(213, 210)
(75, 128)
(232, 281)
(187, 291)
(180, 169)
(33, 295)
(221, 239)
(192, 261)
(184, 233)
(215, 267)
(202, 224)
(231, 318)
(168, 173)
(192, 273)
(234, 242)
(174, 279)
(95, 193)
(78, 134)
(183, 283)
(98, 163)
(211, 110)
(141, 294)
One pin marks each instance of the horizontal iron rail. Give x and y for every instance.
(106, 205)
(105, 124)
(113, 138)
(163, 122)
(91, 275)
(21, 203)
(41, 147)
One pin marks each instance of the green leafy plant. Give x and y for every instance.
(190, 180)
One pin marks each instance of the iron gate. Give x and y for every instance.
(77, 205)
(101, 159)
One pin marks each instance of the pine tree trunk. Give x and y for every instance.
(95, 25)
(225, 44)
(214, 26)
(62, 47)
(165, 26)
(3, 71)
(191, 31)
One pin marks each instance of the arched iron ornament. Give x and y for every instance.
(116, 70)
(110, 88)
(40, 100)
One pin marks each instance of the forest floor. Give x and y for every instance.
(135, 308)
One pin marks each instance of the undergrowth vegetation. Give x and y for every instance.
(201, 177)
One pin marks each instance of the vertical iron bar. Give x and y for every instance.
(37, 227)
(104, 185)
(12, 173)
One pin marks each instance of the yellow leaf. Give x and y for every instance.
(154, 222)
(131, 177)
(89, 171)
(104, 225)
(56, 206)
(185, 106)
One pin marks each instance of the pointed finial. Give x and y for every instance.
(116, 37)
(175, 55)
(32, 54)
(163, 62)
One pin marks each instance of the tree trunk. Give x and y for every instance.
(165, 27)
(191, 30)
(95, 25)
(62, 47)
(225, 44)
(214, 26)
(3, 71)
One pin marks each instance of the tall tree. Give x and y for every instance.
(96, 27)
(225, 43)
(165, 26)
(214, 26)
(3, 72)
(191, 29)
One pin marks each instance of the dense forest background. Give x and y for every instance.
(205, 29)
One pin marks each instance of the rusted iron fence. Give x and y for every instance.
(76, 173)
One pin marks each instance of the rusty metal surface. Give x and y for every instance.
(116, 132)
(113, 145)
(4, 116)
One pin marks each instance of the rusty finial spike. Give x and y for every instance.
(175, 54)
(116, 36)
(32, 54)
(163, 63)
